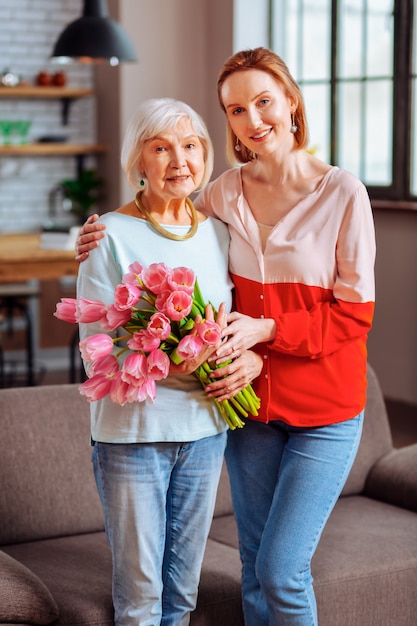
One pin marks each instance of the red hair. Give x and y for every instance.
(267, 61)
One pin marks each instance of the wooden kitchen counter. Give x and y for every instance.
(22, 259)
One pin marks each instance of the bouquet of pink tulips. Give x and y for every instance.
(161, 311)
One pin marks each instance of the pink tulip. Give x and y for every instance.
(95, 347)
(158, 365)
(143, 340)
(155, 277)
(126, 296)
(135, 270)
(182, 279)
(146, 390)
(209, 332)
(118, 390)
(161, 299)
(66, 310)
(189, 347)
(96, 387)
(107, 365)
(178, 305)
(113, 318)
(149, 389)
(159, 326)
(134, 368)
(89, 310)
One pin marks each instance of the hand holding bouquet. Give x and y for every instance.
(159, 312)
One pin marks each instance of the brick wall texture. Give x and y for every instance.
(28, 30)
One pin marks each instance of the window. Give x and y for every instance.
(356, 63)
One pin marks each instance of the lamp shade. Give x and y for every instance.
(94, 37)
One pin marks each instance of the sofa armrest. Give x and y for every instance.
(24, 598)
(393, 479)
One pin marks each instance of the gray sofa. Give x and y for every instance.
(55, 565)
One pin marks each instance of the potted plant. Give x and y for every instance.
(83, 192)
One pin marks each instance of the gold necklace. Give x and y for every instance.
(160, 229)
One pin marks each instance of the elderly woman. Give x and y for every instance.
(157, 465)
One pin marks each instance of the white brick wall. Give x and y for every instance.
(28, 30)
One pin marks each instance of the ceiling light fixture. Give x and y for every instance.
(94, 37)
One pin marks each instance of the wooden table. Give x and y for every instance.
(22, 259)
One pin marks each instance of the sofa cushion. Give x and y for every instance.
(23, 596)
(51, 491)
(219, 597)
(77, 571)
(365, 566)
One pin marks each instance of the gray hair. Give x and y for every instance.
(153, 117)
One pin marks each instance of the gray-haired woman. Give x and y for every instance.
(157, 465)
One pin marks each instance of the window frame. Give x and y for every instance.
(398, 194)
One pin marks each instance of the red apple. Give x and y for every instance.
(59, 79)
(43, 79)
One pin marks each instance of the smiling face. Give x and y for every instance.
(173, 162)
(258, 111)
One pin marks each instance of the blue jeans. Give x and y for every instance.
(285, 482)
(158, 501)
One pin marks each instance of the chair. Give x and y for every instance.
(14, 305)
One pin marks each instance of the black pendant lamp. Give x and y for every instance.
(94, 37)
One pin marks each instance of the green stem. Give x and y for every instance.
(122, 338)
(238, 406)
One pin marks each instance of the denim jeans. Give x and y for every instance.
(285, 482)
(158, 501)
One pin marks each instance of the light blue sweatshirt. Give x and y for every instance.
(181, 411)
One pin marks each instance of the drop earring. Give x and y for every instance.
(294, 126)
(237, 145)
(142, 182)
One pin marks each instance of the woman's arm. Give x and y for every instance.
(88, 237)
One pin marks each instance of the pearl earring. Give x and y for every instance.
(294, 126)
(237, 145)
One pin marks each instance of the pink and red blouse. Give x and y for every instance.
(315, 278)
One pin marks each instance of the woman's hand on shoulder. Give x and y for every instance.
(88, 237)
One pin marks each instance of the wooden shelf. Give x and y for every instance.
(52, 149)
(28, 91)
(65, 94)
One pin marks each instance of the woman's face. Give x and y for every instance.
(258, 110)
(173, 162)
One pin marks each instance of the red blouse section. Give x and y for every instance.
(315, 370)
